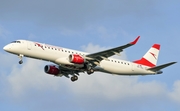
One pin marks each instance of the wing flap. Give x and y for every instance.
(157, 68)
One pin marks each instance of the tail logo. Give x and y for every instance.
(153, 55)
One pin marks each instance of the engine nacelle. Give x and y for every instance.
(77, 59)
(159, 72)
(52, 69)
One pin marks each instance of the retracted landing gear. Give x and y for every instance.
(74, 78)
(21, 56)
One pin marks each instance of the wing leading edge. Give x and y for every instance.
(103, 55)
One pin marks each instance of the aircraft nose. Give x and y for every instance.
(6, 47)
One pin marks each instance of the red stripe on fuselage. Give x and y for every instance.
(145, 62)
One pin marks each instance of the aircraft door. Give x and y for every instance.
(132, 66)
(29, 45)
(11, 46)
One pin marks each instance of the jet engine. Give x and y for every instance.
(77, 59)
(52, 69)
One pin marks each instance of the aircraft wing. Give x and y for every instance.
(103, 55)
(158, 68)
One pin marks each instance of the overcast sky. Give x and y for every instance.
(90, 26)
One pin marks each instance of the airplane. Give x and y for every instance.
(70, 63)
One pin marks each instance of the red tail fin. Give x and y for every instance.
(151, 57)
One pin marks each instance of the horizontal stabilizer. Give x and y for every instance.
(157, 68)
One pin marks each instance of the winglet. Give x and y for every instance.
(135, 41)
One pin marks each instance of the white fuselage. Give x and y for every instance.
(60, 56)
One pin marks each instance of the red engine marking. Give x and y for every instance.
(77, 59)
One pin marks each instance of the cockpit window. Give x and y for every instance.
(16, 42)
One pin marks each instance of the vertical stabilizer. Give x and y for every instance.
(151, 57)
